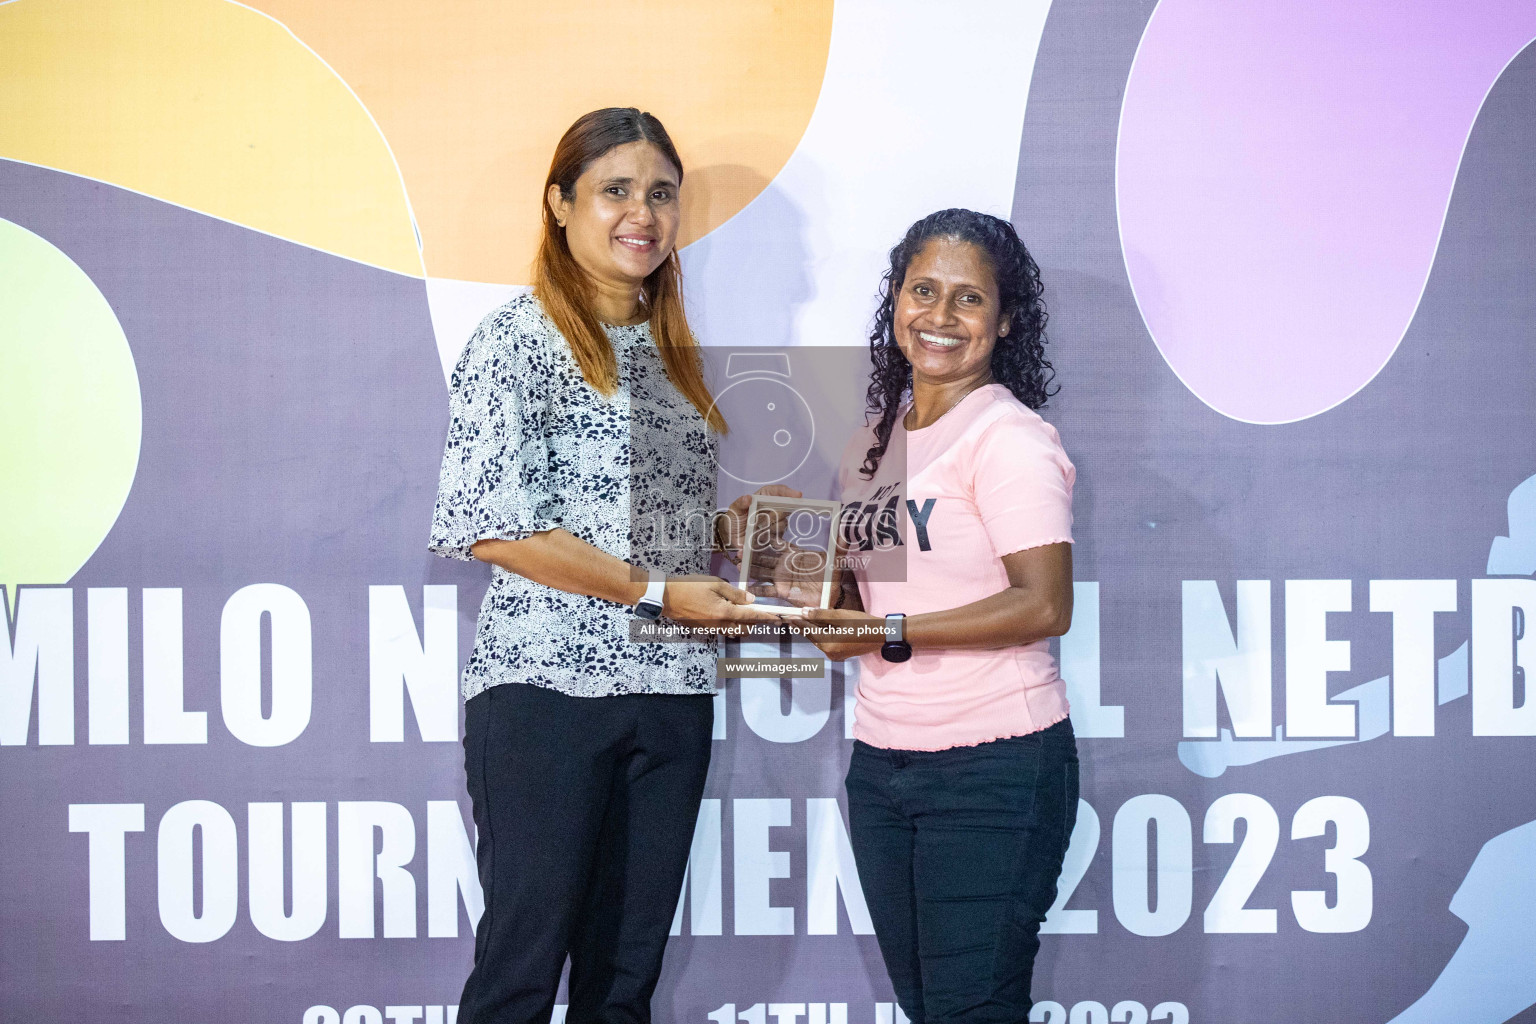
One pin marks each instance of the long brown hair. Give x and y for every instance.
(565, 292)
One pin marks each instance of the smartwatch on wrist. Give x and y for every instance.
(649, 605)
(895, 647)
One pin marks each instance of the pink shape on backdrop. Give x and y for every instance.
(1282, 175)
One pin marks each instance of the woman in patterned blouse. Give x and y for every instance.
(581, 463)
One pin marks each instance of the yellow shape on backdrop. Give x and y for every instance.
(70, 413)
(474, 94)
(207, 104)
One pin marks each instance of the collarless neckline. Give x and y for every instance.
(914, 431)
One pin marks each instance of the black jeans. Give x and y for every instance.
(586, 808)
(958, 851)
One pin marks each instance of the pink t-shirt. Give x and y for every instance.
(986, 480)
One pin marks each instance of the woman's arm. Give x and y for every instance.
(1036, 605)
(559, 559)
(848, 596)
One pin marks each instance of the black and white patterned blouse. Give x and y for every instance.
(532, 447)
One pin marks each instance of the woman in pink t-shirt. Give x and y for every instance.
(962, 787)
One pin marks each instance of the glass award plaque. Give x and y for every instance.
(789, 553)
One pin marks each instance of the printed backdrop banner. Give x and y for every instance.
(1287, 252)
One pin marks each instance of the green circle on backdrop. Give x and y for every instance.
(70, 413)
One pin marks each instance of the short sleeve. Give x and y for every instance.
(1023, 484)
(495, 480)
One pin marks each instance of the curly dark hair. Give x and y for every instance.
(1018, 360)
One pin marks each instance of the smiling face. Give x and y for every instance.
(948, 315)
(622, 222)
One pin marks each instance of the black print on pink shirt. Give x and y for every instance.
(872, 523)
(920, 521)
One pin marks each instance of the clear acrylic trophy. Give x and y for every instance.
(789, 553)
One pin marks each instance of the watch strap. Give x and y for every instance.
(896, 648)
(650, 604)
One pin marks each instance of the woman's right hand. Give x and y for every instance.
(791, 573)
(734, 519)
(709, 602)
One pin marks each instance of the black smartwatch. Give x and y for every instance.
(895, 647)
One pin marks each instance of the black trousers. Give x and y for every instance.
(959, 851)
(585, 808)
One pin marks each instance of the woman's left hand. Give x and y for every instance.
(840, 633)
